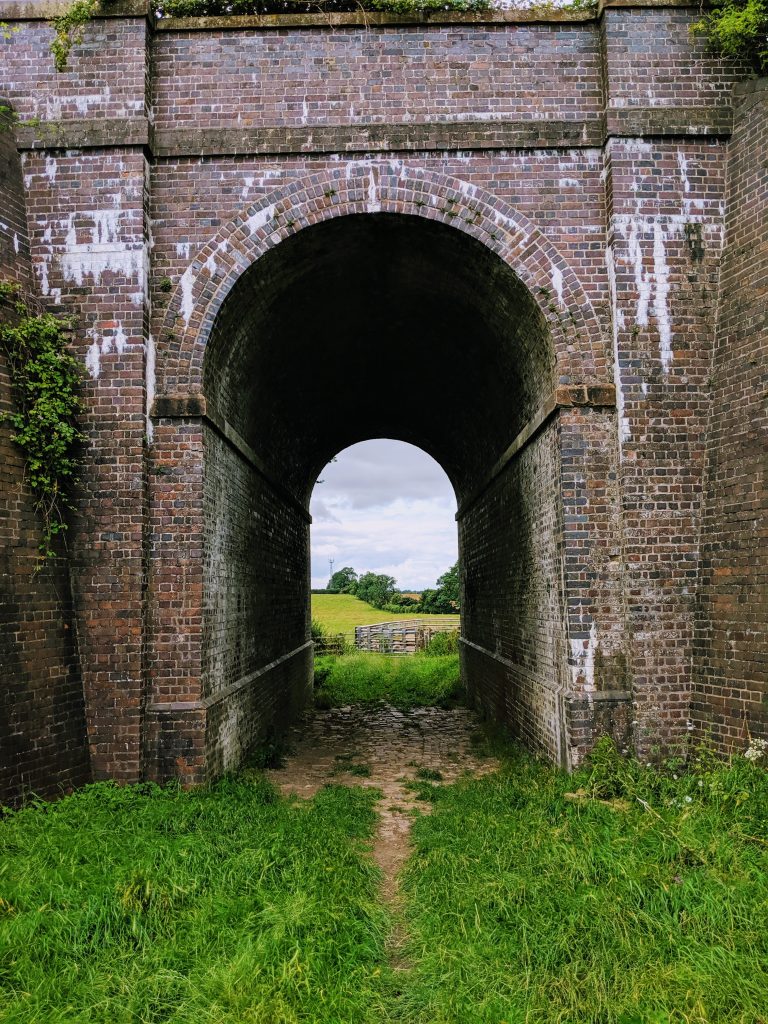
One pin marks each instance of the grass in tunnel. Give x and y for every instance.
(405, 681)
(641, 899)
(227, 904)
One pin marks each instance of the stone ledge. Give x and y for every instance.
(88, 133)
(161, 707)
(44, 10)
(570, 396)
(357, 138)
(195, 406)
(751, 86)
(640, 122)
(637, 122)
(178, 406)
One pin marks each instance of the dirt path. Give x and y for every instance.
(390, 750)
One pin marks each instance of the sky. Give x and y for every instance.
(386, 507)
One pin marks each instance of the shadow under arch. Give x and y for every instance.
(378, 187)
(378, 318)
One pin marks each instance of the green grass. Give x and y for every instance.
(227, 905)
(404, 682)
(621, 895)
(340, 613)
(526, 907)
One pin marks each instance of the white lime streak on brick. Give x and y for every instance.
(642, 280)
(104, 253)
(247, 186)
(557, 283)
(660, 307)
(211, 265)
(121, 341)
(182, 250)
(682, 163)
(149, 360)
(187, 302)
(15, 242)
(617, 319)
(50, 168)
(92, 358)
(259, 219)
(467, 189)
(583, 658)
(373, 196)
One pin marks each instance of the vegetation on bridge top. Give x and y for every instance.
(734, 28)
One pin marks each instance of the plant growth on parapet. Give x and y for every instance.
(738, 28)
(69, 27)
(45, 389)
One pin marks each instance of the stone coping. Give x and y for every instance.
(44, 10)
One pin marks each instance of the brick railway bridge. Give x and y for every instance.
(558, 221)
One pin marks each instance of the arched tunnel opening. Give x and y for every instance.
(384, 518)
(363, 326)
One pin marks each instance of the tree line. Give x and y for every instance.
(380, 591)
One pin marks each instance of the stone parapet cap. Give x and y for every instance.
(750, 86)
(44, 10)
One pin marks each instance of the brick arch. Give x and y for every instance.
(378, 187)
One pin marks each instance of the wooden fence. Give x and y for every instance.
(405, 636)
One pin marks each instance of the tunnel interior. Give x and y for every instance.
(365, 326)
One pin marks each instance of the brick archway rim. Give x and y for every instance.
(376, 186)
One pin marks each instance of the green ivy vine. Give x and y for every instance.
(45, 388)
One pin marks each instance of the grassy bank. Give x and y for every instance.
(227, 905)
(646, 908)
(340, 613)
(404, 682)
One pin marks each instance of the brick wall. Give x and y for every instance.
(730, 691)
(583, 162)
(43, 745)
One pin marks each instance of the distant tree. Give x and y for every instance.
(344, 580)
(445, 597)
(375, 589)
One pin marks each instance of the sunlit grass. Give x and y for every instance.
(405, 681)
(340, 613)
(228, 905)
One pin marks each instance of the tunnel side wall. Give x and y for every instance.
(256, 658)
(43, 746)
(730, 698)
(510, 544)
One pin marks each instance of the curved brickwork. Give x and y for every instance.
(377, 188)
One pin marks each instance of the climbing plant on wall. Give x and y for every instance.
(739, 28)
(45, 388)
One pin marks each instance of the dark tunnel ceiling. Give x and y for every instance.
(378, 325)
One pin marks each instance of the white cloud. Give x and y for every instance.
(384, 506)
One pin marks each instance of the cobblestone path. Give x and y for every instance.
(390, 750)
